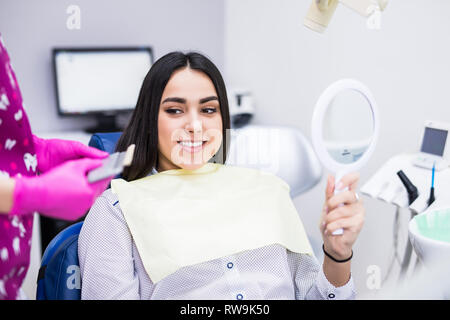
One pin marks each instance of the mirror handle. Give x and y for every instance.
(338, 178)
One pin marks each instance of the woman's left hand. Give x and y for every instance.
(343, 210)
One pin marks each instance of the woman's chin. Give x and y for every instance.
(192, 165)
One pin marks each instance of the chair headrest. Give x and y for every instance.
(105, 141)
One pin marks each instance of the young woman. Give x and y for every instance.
(183, 98)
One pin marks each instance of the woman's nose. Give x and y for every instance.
(194, 125)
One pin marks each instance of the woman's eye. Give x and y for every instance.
(173, 111)
(206, 110)
(210, 110)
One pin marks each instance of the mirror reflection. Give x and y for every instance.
(348, 126)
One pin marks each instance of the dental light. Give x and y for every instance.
(321, 12)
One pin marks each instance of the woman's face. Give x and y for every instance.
(189, 121)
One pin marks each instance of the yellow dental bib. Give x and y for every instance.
(184, 217)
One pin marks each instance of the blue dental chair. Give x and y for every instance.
(280, 150)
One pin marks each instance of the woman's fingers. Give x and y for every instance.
(344, 197)
(329, 190)
(350, 180)
(343, 212)
(345, 201)
(353, 223)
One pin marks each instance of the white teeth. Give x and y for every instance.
(190, 144)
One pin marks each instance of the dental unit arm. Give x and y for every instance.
(321, 11)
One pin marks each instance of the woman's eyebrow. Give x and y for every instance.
(174, 99)
(182, 100)
(204, 100)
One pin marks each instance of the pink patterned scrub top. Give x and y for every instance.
(17, 158)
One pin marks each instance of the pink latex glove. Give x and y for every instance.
(62, 193)
(53, 152)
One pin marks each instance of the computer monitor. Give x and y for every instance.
(103, 82)
(434, 141)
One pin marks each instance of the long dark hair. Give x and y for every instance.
(142, 129)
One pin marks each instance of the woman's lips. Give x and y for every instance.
(193, 149)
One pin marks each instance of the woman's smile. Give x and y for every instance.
(191, 146)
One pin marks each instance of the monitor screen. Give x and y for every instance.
(99, 80)
(434, 141)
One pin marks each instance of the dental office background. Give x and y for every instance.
(263, 46)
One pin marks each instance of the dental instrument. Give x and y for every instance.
(431, 199)
(113, 165)
(410, 188)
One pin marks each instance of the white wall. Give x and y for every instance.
(31, 28)
(287, 66)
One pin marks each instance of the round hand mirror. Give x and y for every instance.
(345, 128)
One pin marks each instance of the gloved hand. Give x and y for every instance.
(62, 193)
(53, 152)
